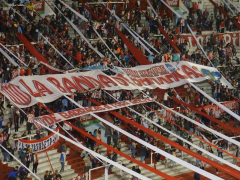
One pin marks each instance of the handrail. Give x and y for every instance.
(216, 140)
(28, 136)
(49, 160)
(95, 169)
(20, 162)
(47, 52)
(50, 7)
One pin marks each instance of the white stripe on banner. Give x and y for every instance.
(51, 67)
(199, 90)
(216, 102)
(184, 140)
(56, 50)
(80, 33)
(20, 162)
(177, 160)
(98, 155)
(13, 54)
(152, 8)
(75, 12)
(145, 47)
(9, 58)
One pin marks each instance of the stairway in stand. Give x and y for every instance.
(32, 49)
(5, 171)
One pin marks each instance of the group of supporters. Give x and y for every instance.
(65, 49)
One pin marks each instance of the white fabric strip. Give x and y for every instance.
(151, 46)
(145, 47)
(56, 50)
(51, 67)
(8, 57)
(229, 7)
(184, 140)
(215, 102)
(76, 139)
(149, 3)
(80, 33)
(98, 155)
(13, 54)
(75, 12)
(106, 45)
(234, 5)
(179, 161)
(19, 162)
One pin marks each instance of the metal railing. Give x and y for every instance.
(216, 140)
(29, 136)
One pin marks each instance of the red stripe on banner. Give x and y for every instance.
(40, 140)
(181, 148)
(225, 14)
(207, 116)
(186, 130)
(123, 154)
(142, 60)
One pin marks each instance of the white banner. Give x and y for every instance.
(26, 91)
(61, 116)
(40, 145)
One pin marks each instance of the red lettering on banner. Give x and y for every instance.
(154, 81)
(147, 80)
(131, 72)
(125, 79)
(41, 88)
(135, 101)
(199, 72)
(121, 81)
(35, 94)
(48, 119)
(69, 85)
(120, 104)
(82, 80)
(95, 81)
(64, 114)
(169, 76)
(54, 118)
(162, 79)
(137, 82)
(188, 71)
(106, 80)
(57, 84)
(180, 75)
(100, 108)
(72, 113)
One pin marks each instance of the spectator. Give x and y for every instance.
(62, 160)
(14, 173)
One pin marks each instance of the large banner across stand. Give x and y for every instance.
(26, 91)
(232, 38)
(40, 145)
(62, 116)
(229, 104)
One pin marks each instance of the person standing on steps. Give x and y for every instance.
(62, 160)
(35, 162)
(30, 117)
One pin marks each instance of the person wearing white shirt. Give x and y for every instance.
(67, 128)
(165, 98)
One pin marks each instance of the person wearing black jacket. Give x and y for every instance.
(78, 96)
(171, 94)
(143, 153)
(155, 26)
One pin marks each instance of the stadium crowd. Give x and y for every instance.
(52, 36)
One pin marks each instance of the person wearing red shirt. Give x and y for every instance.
(42, 70)
(222, 26)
